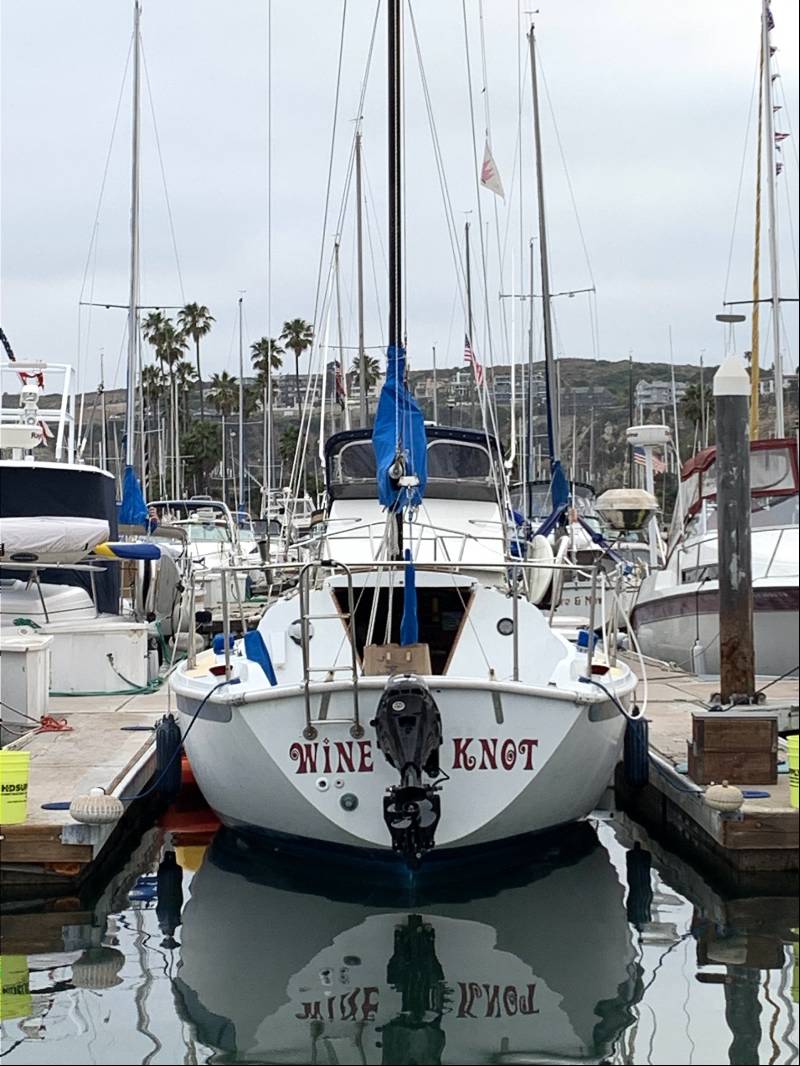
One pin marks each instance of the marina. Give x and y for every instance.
(418, 707)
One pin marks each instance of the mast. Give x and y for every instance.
(133, 292)
(241, 411)
(553, 426)
(469, 306)
(773, 235)
(362, 358)
(435, 391)
(529, 451)
(339, 367)
(395, 74)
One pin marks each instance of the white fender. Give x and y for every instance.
(558, 574)
(539, 579)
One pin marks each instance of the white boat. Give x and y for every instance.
(56, 516)
(408, 692)
(676, 615)
(277, 966)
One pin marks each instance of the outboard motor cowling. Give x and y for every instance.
(409, 733)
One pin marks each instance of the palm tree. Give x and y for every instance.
(224, 396)
(264, 351)
(195, 322)
(185, 376)
(372, 371)
(298, 335)
(694, 403)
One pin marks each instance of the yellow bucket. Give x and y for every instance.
(794, 753)
(15, 993)
(14, 767)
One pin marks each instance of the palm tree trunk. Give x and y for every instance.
(297, 376)
(200, 379)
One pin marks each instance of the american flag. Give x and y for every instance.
(469, 357)
(659, 466)
(780, 137)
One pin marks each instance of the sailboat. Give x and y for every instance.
(676, 614)
(408, 697)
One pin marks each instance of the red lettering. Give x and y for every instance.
(510, 1000)
(344, 750)
(526, 1004)
(526, 746)
(365, 751)
(310, 1010)
(488, 753)
(326, 753)
(462, 760)
(468, 992)
(508, 754)
(350, 1002)
(370, 1007)
(306, 756)
(492, 1001)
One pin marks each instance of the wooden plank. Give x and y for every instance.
(770, 831)
(735, 734)
(40, 932)
(39, 850)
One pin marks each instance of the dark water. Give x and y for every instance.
(600, 952)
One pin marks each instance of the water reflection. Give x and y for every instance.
(274, 969)
(612, 951)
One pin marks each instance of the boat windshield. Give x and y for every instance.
(455, 467)
(206, 533)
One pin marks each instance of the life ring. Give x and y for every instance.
(539, 578)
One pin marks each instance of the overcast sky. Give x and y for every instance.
(651, 102)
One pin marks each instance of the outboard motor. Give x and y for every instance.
(409, 733)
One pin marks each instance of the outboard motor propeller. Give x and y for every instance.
(409, 733)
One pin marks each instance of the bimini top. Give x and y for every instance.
(462, 464)
(773, 480)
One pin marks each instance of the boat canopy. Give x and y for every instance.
(773, 473)
(462, 464)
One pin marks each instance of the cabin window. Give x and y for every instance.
(441, 613)
(458, 461)
(354, 463)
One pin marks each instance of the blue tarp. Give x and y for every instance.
(409, 627)
(132, 509)
(399, 428)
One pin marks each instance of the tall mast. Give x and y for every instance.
(553, 427)
(362, 359)
(241, 412)
(773, 235)
(530, 472)
(133, 293)
(395, 71)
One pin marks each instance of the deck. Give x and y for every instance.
(753, 849)
(100, 749)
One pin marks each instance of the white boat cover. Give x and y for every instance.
(50, 539)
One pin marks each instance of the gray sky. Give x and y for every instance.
(651, 102)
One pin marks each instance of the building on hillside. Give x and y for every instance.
(659, 393)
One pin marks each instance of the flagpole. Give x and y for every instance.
(773, 236)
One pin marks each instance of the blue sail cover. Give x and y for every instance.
(132, 508)
(409, 625)
(399, 428)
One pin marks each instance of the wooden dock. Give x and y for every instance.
(754, 849)
(50, 852)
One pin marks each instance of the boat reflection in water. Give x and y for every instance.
(280, 965)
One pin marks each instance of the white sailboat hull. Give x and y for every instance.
(517, 761)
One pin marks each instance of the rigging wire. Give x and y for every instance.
(96, 223)
(163, 175)
(741, 178)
